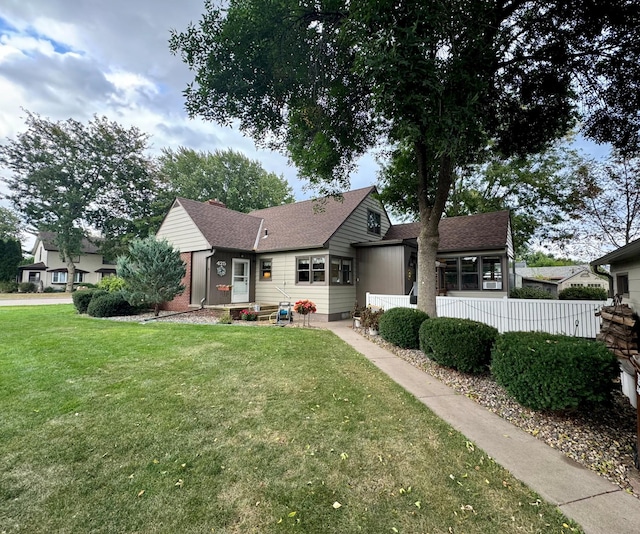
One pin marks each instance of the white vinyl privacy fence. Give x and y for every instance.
(569, 317)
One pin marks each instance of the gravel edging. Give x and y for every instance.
(602, 440)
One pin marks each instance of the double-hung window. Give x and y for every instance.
(341, 271)
(311, 270)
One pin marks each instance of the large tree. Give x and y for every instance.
(73, 178)
(436, 80)
(10, 224)
(229, 176)
(10, 258)
(538, 189)
(608, 214)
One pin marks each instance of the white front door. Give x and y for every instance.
(240, 280)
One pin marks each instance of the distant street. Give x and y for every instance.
(36, 301)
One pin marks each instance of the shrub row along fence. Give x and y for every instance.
(568, 317)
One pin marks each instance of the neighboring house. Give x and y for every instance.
(624, 268)
(556, 279)
(49, 269)
(330, 251)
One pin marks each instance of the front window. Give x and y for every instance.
(60, 277)
(491, 272)
(469, 272)
(34, 277)
(311, 269)
(622, 284)
(374, 223)
(265, 269)
(341, 270)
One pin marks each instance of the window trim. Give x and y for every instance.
(480, 271)
(262, 271)
(377, 230)
(341, 259)
(311, 270)
(622, 276)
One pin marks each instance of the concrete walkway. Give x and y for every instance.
(597, 505)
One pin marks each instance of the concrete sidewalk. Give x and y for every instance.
(597, 505)
(36, 301)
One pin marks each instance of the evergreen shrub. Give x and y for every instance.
(27, 287)
(553, 372)
(111, 283)
(583, 293)
(529, 293)
(225, 318)
(401, 326)
(8, 286)
(82, 298)
(462, 344)
(110, 305)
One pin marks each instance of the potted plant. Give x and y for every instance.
(356, 315)
(304, 308)
(371, 319)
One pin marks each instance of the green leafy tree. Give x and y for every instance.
(229, 176)
(435, 80)
(152, 272)
(68, 177)
(10, 224)
(608, 213)
(537, 258)
(538, 190)
(10, 258)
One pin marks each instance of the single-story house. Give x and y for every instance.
(49, 269)
(624, 268)
(556, 279)
(330, 251)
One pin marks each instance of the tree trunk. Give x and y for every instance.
(156, 309)
(432, 196)
(71, 274)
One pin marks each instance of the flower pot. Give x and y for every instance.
(373, 331)
(356, 322)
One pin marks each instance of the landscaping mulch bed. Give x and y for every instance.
(602, 440)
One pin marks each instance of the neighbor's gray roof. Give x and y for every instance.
(49, 242)
(628, 252)
(558, 273)
(306, 224)
(484, 231)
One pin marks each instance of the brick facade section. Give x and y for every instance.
(182, 302)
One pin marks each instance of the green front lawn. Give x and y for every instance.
(126, 427)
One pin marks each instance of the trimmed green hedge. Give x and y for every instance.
(401, 326)
(547, 372)
(529, 293)
(110, 305)
(583, 293)
(462, 344)
(82, 298)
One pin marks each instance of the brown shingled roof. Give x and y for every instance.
(307, 224)
(49, 242)
(468, 232)
(222, 227)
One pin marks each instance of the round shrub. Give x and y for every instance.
(8, 286)
(27, 287)
(583, 293)
(112, 283)
(547, 372)
(462, 344)
(82, 298)
(401, 326)
(529, 293)
(110, 305)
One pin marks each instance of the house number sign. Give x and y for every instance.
(222, 268)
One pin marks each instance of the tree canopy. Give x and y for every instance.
(435, 80)
(68, 178)
(10, 258)
(229, 176)
(10, 224)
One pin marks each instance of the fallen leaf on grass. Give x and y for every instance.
(180, 483)
(336, 505)
(140, 493)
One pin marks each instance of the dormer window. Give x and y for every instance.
(373, 222)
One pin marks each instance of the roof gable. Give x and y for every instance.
(307, 224)
(222, 227)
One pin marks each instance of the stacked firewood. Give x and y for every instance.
(619, 331)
